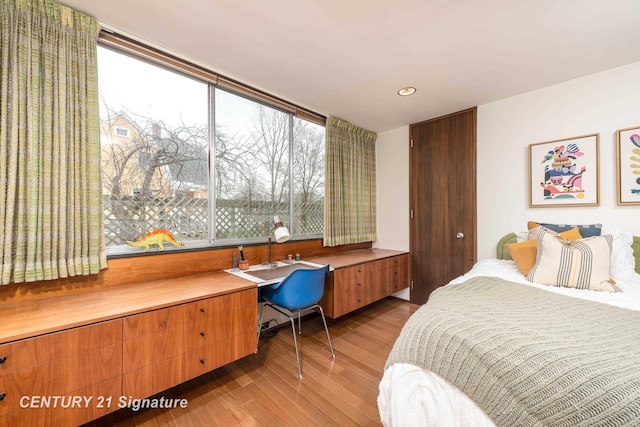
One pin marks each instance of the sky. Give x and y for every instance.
(153, 91)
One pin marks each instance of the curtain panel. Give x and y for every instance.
(350, 184)
(51, 213)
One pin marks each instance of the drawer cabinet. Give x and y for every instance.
(83, 362)
(353, 287)
(67, 357)
(396, 275)
(166, 347)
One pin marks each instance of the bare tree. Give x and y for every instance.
(308, 163)
(152, 160)
(151, 157)
(234, 174)
(270, 150)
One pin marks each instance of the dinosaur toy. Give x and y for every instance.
(155, 237)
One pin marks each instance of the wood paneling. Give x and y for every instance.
(443, 201)
(360, 278)
(84, 362)
(264, 389)
(166, 347)
(68, 311)
(45, 348)
(164, 265)
(97, 400)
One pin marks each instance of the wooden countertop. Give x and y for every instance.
(25, 319)
(350, 258)
(37, 316)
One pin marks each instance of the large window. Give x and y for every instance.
(210, 165)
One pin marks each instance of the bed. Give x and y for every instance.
(492, 348)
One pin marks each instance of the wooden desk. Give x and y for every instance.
(361, 277)
(262, 276)
(133, 340)
(138, 339)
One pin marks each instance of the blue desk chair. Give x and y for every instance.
(300, 290)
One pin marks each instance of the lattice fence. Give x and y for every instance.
(128, 217)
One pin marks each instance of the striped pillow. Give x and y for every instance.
(581, 264)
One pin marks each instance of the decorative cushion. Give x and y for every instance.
(524, 253)
(586, 230)
(581, 264)
(623, 263)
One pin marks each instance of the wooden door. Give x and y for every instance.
(443, 201)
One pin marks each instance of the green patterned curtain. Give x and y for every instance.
(350, 184)
(51, 216)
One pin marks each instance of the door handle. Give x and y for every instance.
(460, 235)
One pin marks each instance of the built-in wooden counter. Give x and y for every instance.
(355, 257)
(76, 346)
(37, 316)
(361, 277)
(100, 338)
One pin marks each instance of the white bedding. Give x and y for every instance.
(630, 284)
(412, 396)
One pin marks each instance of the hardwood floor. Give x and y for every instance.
(264, 389)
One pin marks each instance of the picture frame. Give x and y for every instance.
(628, 165)
(565, 172)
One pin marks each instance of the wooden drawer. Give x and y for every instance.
(354, 287)
(159, 351)
(347, 295)
(90, 403)
(166, 373)
(393, 275)
(400, 273)
(34, 351)
(153, 347)
(60, 376)
(160, 320)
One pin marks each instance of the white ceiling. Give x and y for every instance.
(348, 58)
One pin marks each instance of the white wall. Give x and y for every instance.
(392, 163)
(599, 103)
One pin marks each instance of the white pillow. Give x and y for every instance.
(623, 263)
(521, 236)
(581, 264)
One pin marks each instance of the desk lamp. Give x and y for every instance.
(281, 234)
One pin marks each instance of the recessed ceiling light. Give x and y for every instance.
(406, 91)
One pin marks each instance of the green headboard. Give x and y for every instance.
(503, 253)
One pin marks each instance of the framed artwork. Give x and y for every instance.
(628, 163)
(565, 172)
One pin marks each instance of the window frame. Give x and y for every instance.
(129, 46)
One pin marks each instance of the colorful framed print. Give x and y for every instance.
(628, 163)
(565, 172)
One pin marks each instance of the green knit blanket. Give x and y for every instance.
(529, 357)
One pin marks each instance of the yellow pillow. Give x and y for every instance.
(524, 253)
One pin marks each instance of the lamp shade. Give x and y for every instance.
(281, 234)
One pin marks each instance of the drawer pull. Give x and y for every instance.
(202, 333)
(202, 310)
(3, 359)
(202, 361)
(2, 395)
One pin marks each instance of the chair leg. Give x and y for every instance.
(295, 343)
(299, 324)
(333, 355)
(295, 339)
